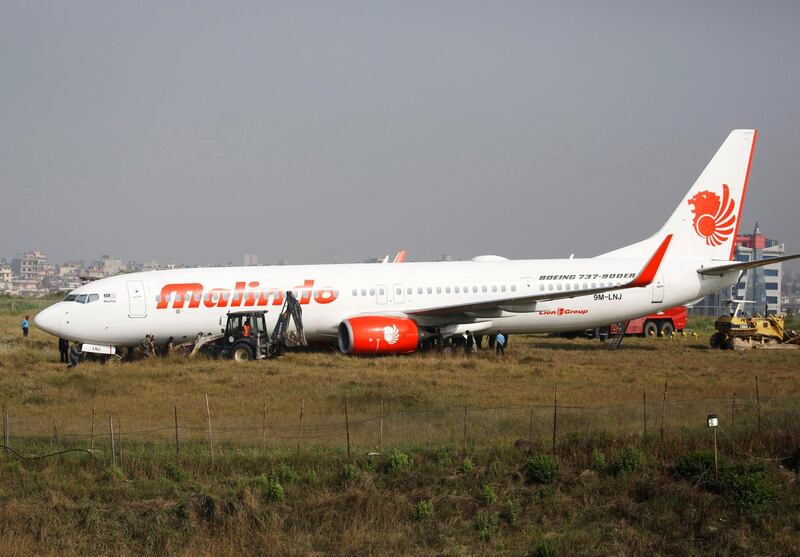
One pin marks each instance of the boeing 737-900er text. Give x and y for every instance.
(389, 309)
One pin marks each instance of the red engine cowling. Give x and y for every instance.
(378, 334)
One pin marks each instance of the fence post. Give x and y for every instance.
(264, 426)
(119, 441)
(530, 431)
(177, 441)
(663, 412)
(111, 432)
(5, 429)
(210, 437)
(758, 407)
(380, 442)
(555, 416)
(347, 424)
(91, 438)
(55, 433)
(465, 429)
(644, 414)
(300, 422)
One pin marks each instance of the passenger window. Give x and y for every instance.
(355, 292)
(550, 287)
(483, 288)
(458, 289)
(93, 298)
(474, 289)
(541, 287)
(419, 290)
(158, 298)
(502, 288)
(409, 291)
(447, 290)
(559, 286)
(438, 289)
(594, 285)
(513, 287)
(381, 291)
(363, 291)
(494, 288)
(371, 291)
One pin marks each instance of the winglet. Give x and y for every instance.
(648, 273)
(400, 257)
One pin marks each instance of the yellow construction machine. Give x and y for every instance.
(736, 330)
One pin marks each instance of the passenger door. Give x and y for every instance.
(658, 288)
(137, 304)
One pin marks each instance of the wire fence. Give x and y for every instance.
(379, 428)
(21, 305)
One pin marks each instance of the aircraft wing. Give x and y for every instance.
(525, 303)
(720, 270)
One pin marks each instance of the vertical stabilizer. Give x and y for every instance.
(705, 223)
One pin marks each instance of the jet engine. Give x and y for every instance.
(378, 334)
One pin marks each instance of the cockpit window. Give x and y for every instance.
(93, 298)
(70, 297)
(81, 299)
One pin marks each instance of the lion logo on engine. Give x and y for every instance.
(391, 334)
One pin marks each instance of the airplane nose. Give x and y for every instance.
(48, 320)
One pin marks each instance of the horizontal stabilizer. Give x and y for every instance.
(744, 265)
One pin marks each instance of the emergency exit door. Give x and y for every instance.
(137, 304)
(381, 294)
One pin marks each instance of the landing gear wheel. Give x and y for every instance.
(242, 352)
(650, 329)
(667, 329)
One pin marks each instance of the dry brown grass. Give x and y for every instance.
(162, 503)
(143, 394)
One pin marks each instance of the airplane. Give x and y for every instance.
(373, 308)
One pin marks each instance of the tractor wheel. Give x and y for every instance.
(729, 344)
(242, 352)
(714, 341)
(666, 329)
(650, 329)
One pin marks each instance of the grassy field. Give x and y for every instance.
(483, 500)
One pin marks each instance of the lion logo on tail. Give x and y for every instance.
(713, 217)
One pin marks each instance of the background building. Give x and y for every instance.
(761, 285)
(29, 266)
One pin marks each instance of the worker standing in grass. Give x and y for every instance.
(500, 344)
(74, 355)
(63, 350)
(26, 325)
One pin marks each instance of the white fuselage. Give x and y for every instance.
(127, 307)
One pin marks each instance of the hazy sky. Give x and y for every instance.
(313, 132)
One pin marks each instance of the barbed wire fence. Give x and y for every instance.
(750, 424)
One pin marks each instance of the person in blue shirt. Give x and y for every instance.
(500, 344)
(26, 325)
